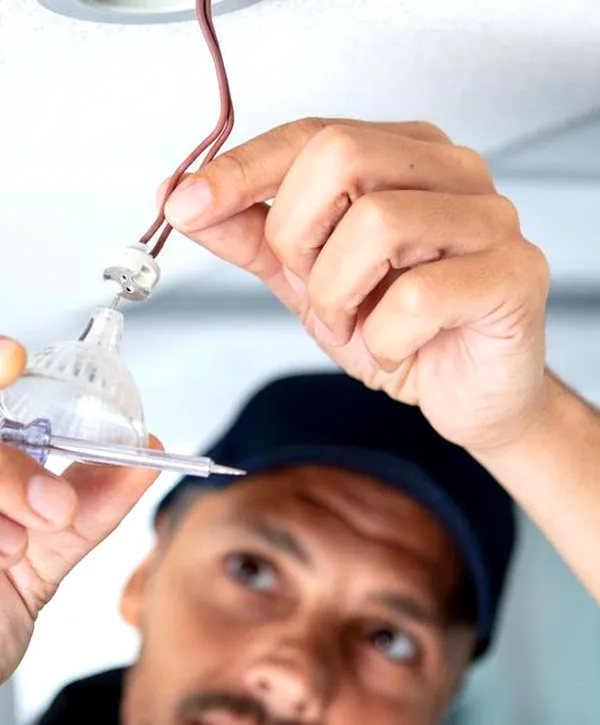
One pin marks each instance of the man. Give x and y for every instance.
(354, 574)
(392, 246)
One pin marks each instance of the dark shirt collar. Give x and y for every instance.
(94, 700)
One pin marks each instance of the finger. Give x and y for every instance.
(238, 236)
(31, 496)
(13, 359)
(13, 542)
(239, 178)
(394, 231)
(341, 164)
(489, 293)
(106, 494)
(253, 171)
(417, 130)
(241, 241)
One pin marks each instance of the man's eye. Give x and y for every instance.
(251, 571)
(394, 644)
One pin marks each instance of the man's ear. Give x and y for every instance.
(132, 595)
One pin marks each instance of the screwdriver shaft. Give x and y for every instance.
(138, 457)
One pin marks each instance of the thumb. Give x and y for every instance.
(106, 494)
(13, 359)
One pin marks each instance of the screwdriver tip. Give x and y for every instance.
(226, 470)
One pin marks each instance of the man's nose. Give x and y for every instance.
(289, 688)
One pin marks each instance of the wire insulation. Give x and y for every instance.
(213, 143)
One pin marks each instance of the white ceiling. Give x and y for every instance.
(92, 118)
(488, 71)
(95, 116)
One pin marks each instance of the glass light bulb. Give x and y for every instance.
(82, 387)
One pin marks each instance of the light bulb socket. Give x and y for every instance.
(137, 273)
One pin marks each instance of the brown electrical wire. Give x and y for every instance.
(217, 137)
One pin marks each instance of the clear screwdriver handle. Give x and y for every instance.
(36, 440)
(32, 438)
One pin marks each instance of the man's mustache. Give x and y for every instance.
(193, 708)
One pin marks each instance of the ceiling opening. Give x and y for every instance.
(138, 12)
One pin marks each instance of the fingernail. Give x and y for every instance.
(51, 498)
(188, 203)
(296, 283)
(323, 333)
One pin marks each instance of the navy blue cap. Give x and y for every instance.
(331, 419)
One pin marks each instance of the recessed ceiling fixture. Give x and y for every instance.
(137, 12)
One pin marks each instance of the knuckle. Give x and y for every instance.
(296, 134)
(285, 247)
(505, 212)
(472, 163)
(370, 214)
(340, 144)
(537, 267)
(309, 126)
(413, 294)
(233, 166)
(426, 131)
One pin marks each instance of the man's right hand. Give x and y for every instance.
(48, 524)
(394, 248)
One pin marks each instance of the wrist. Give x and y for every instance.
(544, 419)
(544, 456)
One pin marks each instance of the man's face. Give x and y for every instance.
(309, 595)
